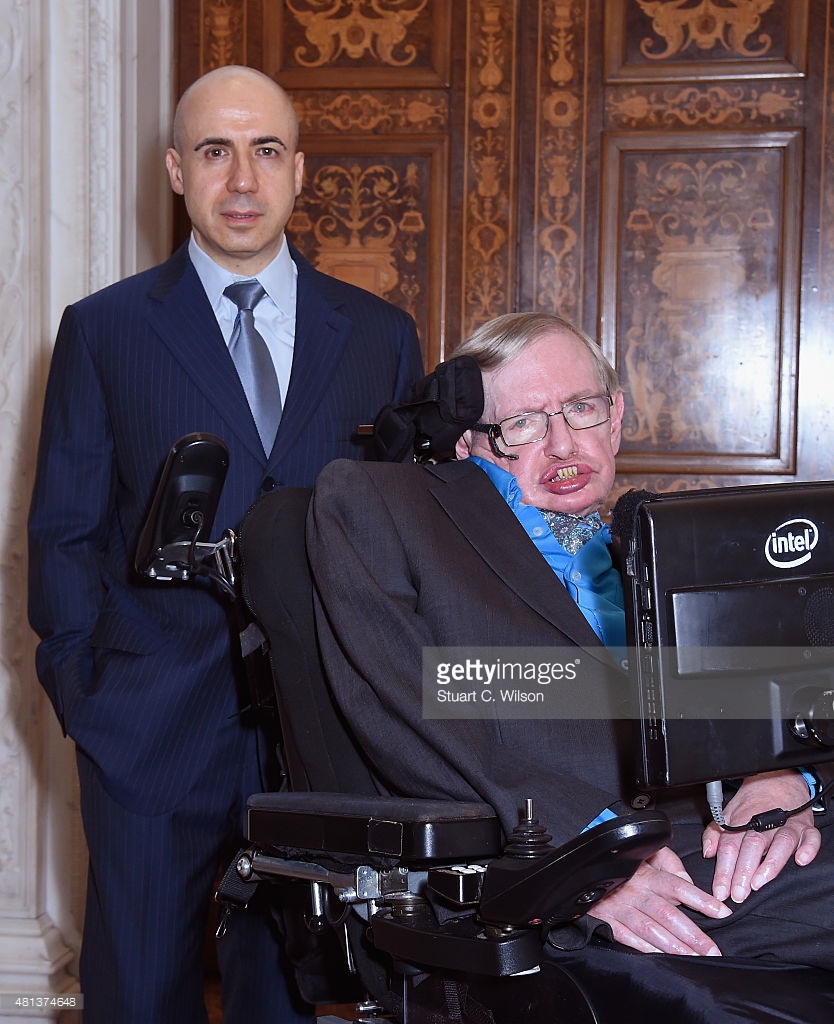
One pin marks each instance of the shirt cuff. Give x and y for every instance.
(810, 779)
(605, 815)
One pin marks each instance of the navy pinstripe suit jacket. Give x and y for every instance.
(139, 674)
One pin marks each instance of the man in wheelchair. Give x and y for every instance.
(501, 549)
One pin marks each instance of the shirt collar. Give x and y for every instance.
(278, 278)
(503, 480)
(508, 488)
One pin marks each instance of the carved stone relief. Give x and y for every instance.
(18, 697)
(59, 108)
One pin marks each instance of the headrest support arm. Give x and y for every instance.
(441, 407)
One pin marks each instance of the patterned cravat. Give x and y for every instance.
(572, 531)
(254, 363)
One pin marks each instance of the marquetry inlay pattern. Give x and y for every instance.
(700, 238)
(701, 249)
(361, 28)
(734, 26)
(224, 25)
(558, 227)
(364, 219)
(657, 170)
(489, 170)
(374, 112)
(693, 106)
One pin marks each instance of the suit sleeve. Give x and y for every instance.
(372, 629)
(69, 518)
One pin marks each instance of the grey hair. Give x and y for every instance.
(499, 341)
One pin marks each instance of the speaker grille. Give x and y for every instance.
(818, 618)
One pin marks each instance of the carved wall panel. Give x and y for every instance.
(700, 278)
(489, 162)
(660, 171)
(556, 164)
(713, 168)
(213, 33)
(363, 217)
(370, 81)
(397, 43)
(705, 39)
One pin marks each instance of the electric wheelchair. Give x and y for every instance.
(419, 911)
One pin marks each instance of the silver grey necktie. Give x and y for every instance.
(254, 363)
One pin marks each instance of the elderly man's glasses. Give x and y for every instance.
(527, 427)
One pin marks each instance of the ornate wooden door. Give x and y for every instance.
(659, 171)
(713, 190)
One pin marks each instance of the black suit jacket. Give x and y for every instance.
(405, 558)
(141, 675)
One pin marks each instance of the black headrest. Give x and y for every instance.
(624, 513)
(440, 408)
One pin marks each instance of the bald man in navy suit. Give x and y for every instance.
(143, 677)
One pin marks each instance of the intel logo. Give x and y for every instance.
(791, 543)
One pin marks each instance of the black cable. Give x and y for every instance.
(768, 820)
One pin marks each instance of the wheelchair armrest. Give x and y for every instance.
(495, 917)
(520, 898)
(415, 831)
(564, 882)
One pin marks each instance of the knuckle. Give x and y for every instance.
(666, 915)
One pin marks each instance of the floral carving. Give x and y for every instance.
(560, 154)
(364, 222)
(223, 24)
(705, 26)
(692, 105)
(700, 249)
(372, 112)
(361, 27)
(488, 172)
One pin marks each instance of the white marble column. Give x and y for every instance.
(85, 90)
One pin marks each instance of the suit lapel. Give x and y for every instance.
(180, 313)
(468, 498)
(321, 333)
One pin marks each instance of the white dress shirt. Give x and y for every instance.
(274, 314)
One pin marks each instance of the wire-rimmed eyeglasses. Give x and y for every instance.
(527, 427)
